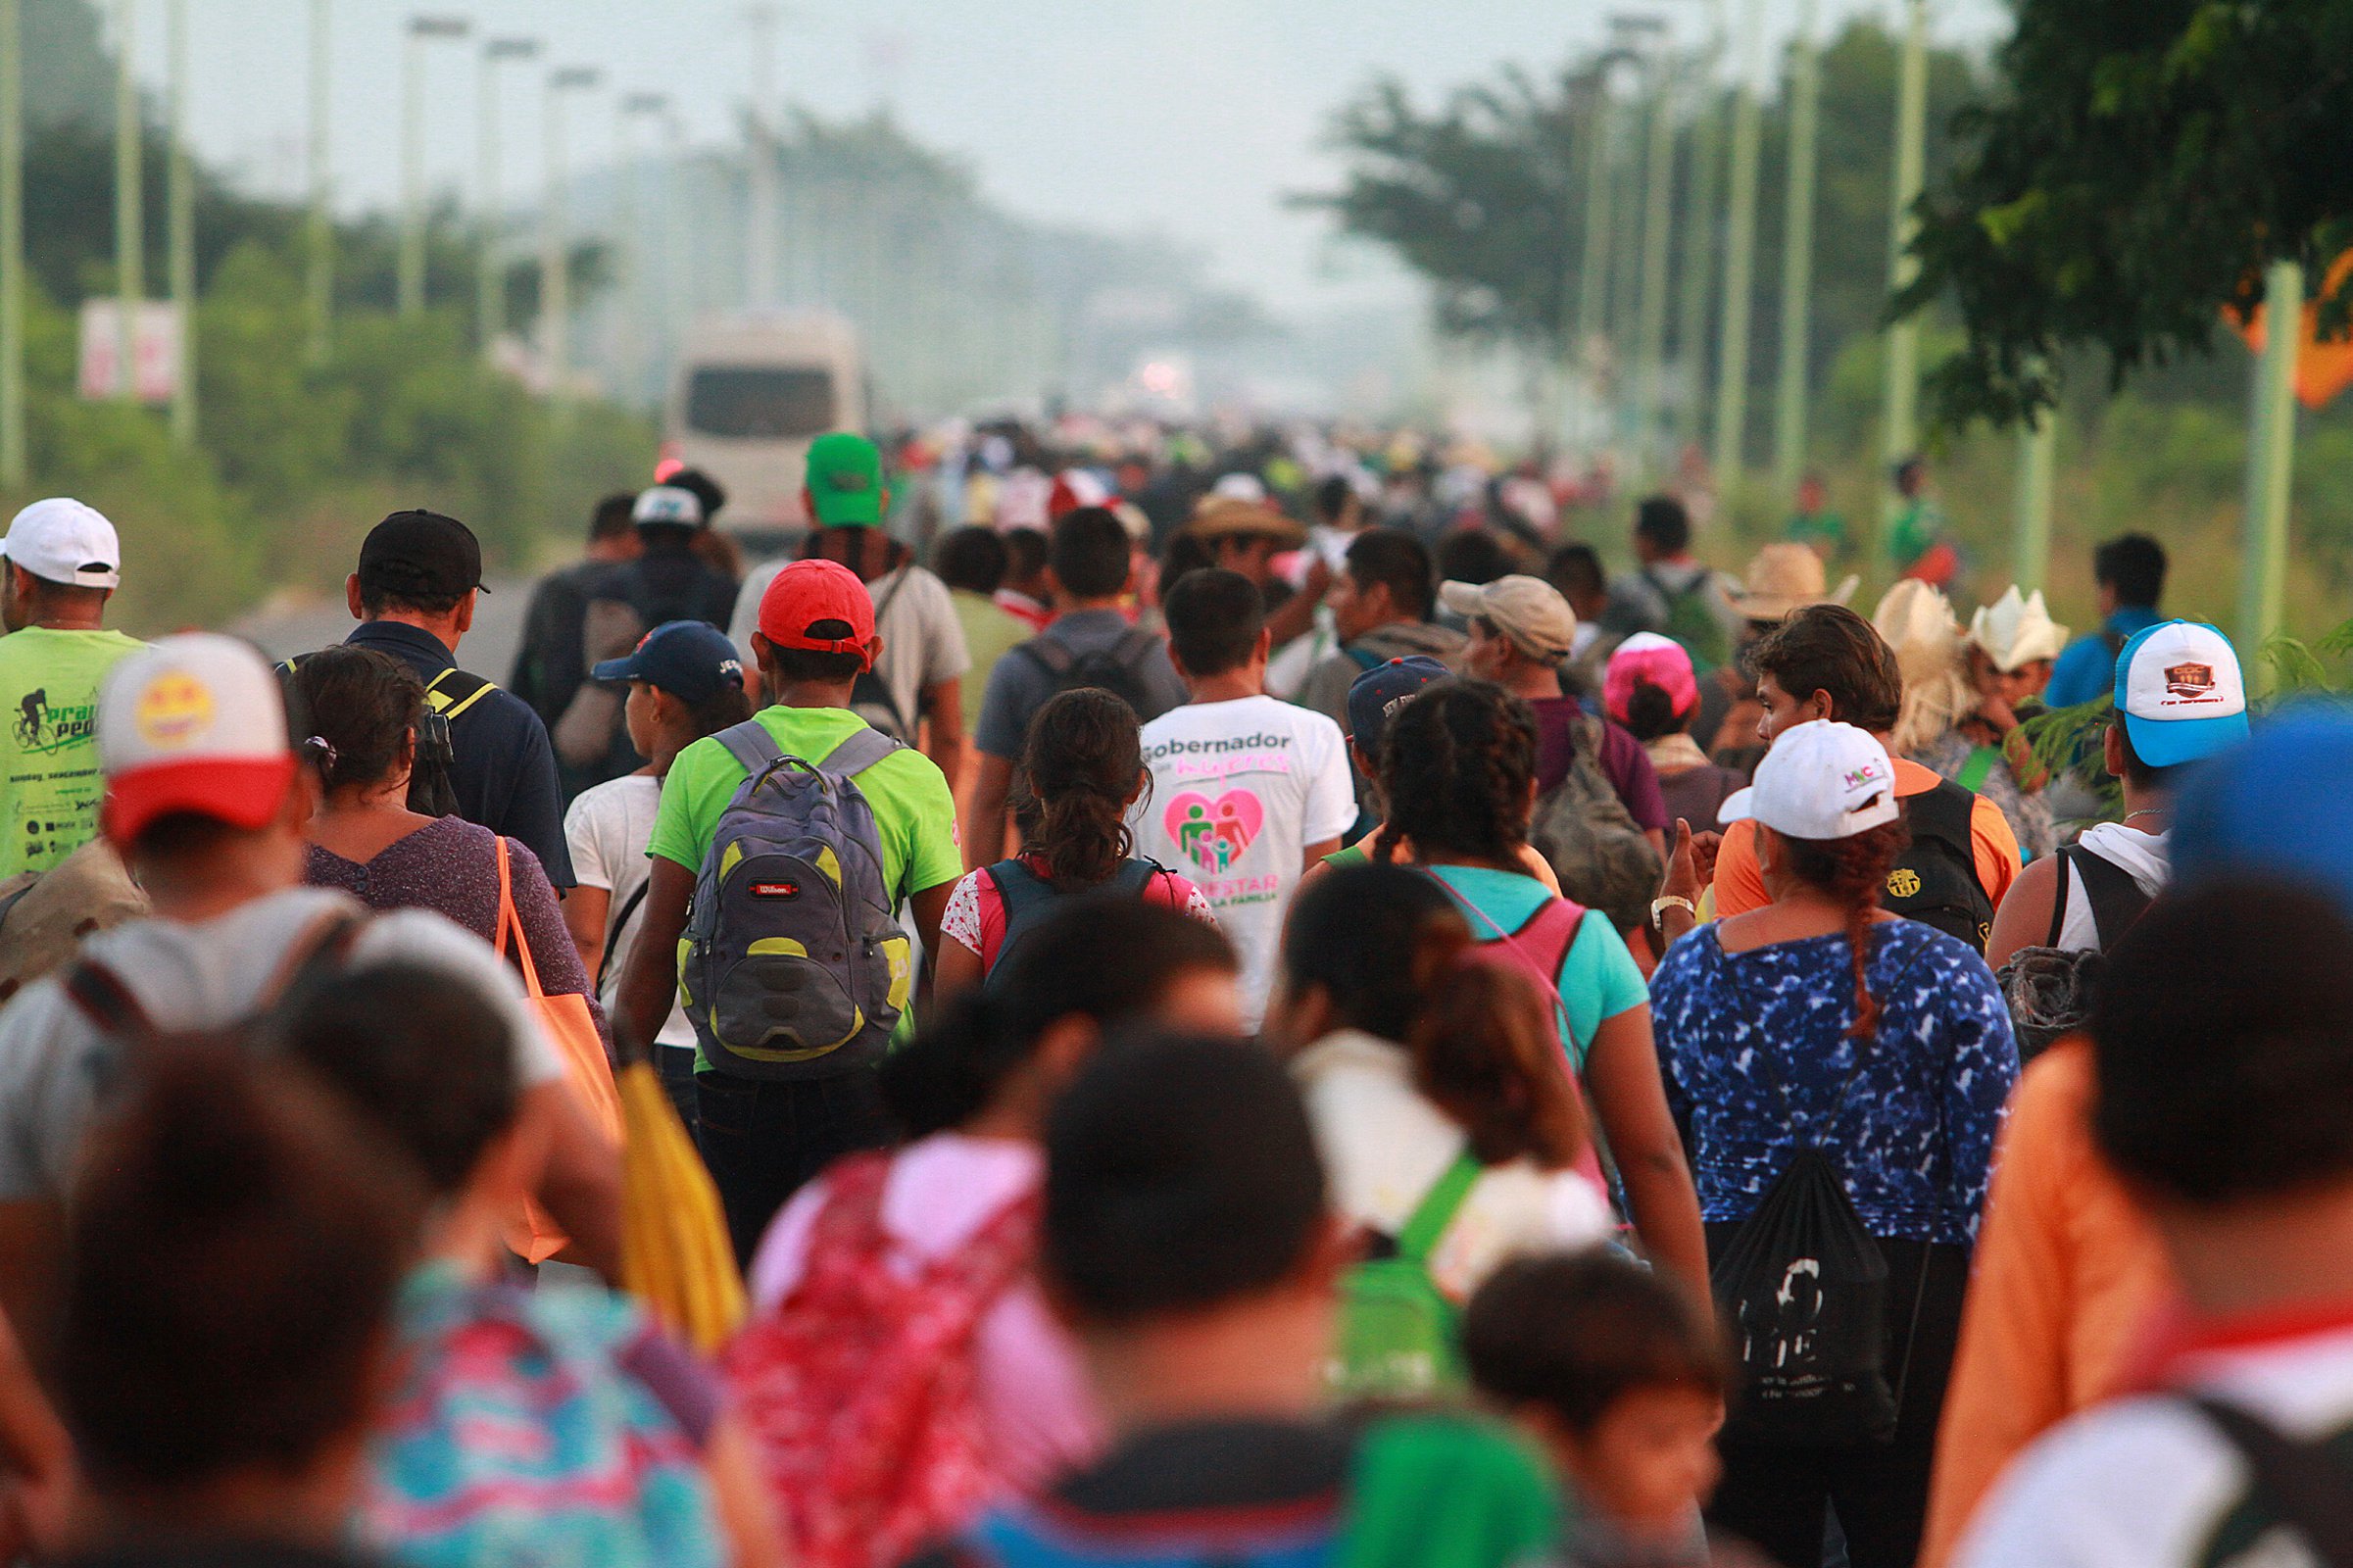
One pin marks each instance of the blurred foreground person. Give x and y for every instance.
(1186, 1243)
(238, 1243)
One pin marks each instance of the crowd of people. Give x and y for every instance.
(1236, 1005)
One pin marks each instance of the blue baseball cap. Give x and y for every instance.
(1377, 694)
(2278, 807)
(2181, 693)
(690, 659)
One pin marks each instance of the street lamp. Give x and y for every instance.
(554, 281)
(627, 228)
(130, 238)
(1797, 264)
(181, 231)
(12, 245)
(1900, 421)
(490, 284)
(759, 222)
(421, 30)
(1739, 255)
(319, 282)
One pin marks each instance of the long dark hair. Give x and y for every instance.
(1852, 870)
(1457, 767)
(363, 704)
(1079, 768)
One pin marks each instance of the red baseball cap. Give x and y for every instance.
(820, 606)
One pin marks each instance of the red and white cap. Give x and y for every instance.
(192, 723)
(60, 540)
(1822, 780)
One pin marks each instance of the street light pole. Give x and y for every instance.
(555, 240)
(490, 282)
(2271, 459)
(180, 226)
(1700, 241)
(1899, 423)
(130, 237)
(1658, 222)
(1739, 255)
(12, 245)
(760, 220)
(321, 279)
(1593, 274)
(637, 303)
(1797, 264)
(411, 289)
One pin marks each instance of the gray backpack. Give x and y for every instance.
(1582, 827)
(794, 961)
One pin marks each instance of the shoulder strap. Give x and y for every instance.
(1438, 1207)
(1051, 654)
(1943, 812)
(857, 751)
(1018, 887)
(751, 746)
(1135, 645)
(891, 596)
(1135, 875)
(613, 931)
(2304, 1481)
(2066, 856)
(1980, 763)
(2116, 898)
(453, 691)
(102, 998)
(323, 953)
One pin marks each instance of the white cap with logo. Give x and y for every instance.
(1822, 780)
(62, 541)
(667, 505)
(2178, 686)
(193, 723)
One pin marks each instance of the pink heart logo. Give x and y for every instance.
(1214, 832)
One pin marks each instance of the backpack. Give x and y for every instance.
(2299, 1483)
(1935, 880)
(793, 963)
(2051, 990)
(1691, 621)
(1582, 827)
(870, 696)
(1117, 669)
(858, 1389)
(1029, 899)
(1399, 1336)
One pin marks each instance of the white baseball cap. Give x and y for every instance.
(2178, 687)
(667, 505)
(1822, 780)
(192, 723)
(60, 540)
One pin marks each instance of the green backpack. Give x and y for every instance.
(1400, 1337)
(1691, 621)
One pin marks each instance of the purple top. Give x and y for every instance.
(451, 867)
(1623, 761)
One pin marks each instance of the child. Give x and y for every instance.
(1620, 1375)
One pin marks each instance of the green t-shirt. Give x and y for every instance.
(989, 635)
(913, 812)
(50, 785)
(1440, 1491)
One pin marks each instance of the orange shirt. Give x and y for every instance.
(1740, 887)
(2066, 1277)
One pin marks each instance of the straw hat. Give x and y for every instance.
(1783, 577)
(1222, 518)
(2014, 632)
(1918, 622)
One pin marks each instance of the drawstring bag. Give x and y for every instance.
(533, 1235)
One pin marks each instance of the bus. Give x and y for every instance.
(749, 393)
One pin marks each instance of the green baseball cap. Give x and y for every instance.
(845, 480)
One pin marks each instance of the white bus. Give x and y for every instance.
(749, 393)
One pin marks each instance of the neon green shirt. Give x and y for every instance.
(50, 786)
(913, 810)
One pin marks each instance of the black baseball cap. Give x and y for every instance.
(420, 555)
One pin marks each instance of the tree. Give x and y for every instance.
(2145, 162)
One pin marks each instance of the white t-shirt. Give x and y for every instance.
(923, 637)
(1384, 1146)
(1238, 790)
(206, 976)
(2147, 856)
(2149, 1482)
(608, 828)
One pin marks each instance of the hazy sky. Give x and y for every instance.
(1191, 117)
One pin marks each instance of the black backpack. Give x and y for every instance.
(870, 695)
(1117, 669)
(1935, 881)
(1029, 897)
(2302, 1483)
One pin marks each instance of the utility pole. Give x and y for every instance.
(637, 294)
(1739, 256)
(490, 280)
(1797, 264)
(759, 216)
(1658, 221)
(2271, 460)
(321, 279)
(130, 235)
(2038, 452)
(12, 245)
(555, 237)
(180, 233)
(1899, 424)
(1700, 241)
(421, 30)
(1593, 274)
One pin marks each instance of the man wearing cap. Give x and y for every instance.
(1672, 592)
(413, 597)
(61, 565)
(2067, 1271)
(552, 660)
(1241, 531)
(763, 1138)
(1521, 633)
(1381, 603)
(918, 680)
(206, 804)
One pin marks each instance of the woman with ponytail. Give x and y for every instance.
(1082, 769)
(1823, 1021)
(1459, 775)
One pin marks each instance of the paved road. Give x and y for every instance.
(282, 631)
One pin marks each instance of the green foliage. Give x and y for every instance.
(2142, 165)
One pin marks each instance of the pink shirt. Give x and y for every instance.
(1041, 1415)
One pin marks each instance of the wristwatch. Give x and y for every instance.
(1670, 901)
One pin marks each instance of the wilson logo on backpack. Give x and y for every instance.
(793, 963)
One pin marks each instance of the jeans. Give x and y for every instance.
(764, 1138)
(676, 1064)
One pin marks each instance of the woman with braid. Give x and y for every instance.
(1458, 775)
(1082, 770)
(1821, 1019)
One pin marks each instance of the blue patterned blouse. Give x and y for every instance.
(1914, 1136)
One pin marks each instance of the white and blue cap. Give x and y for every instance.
(2180, 692)
(667, 505)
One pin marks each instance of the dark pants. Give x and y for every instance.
(763, 1139)
(676, 1064)
(1776, 1496)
